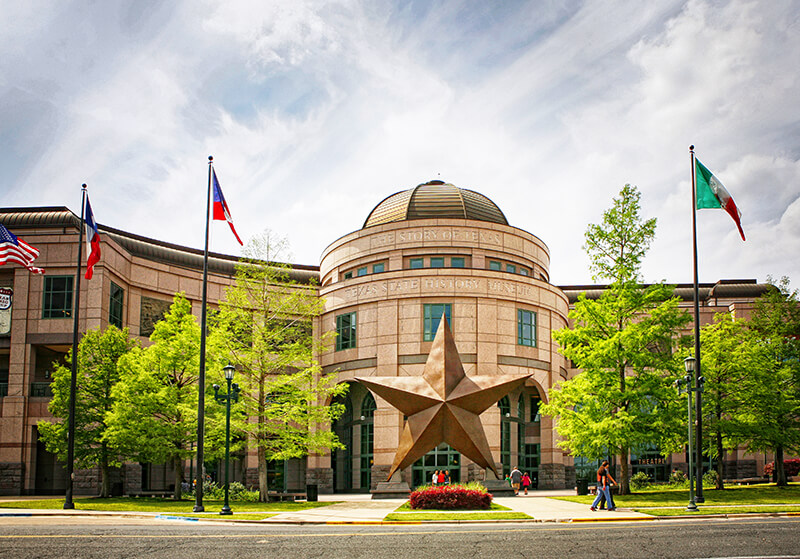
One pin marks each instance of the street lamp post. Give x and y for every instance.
(233, 394)
(688, 365)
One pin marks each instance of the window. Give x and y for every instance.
(523, 271)
(378, 268)
(362, 271)
(57, 297)
(535, 415)
(348, 275)
(457, 262)
(416, 263)
(346, 331)
(511, 268)
(493, 265)
(116, 305)
(432, 316)
(437, 262)
(526, 328)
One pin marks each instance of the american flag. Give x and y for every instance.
(14, 249)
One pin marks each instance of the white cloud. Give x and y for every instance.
(315, 111)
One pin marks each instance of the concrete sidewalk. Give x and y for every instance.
(537, 504)
(362, 509)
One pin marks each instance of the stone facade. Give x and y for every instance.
(388, 276)
(11, 478)
(322, 478)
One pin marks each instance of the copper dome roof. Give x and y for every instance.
(432, 200)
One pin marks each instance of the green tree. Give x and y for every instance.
(264, 326)
(98, 373)
(768, 407)
(154, 418)
(729, 352)
(623, 342)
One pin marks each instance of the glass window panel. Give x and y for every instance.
(456, 262)
(378, 268)
(437, 262)
(511, 268)
(526, 328)
(345, 331)
(57, 301)
(432, 315)
(493, 265)
(416, 263)
(362, 271)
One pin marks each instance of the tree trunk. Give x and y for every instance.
(719, 463)
(262, 476)
(779, 469)
(104, 481)
(178, 464)
(625, 475)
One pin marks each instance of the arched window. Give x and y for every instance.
(367, 439)
(505, 434)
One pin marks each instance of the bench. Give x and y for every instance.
(285, 496)
(161, 494)
(746, 481)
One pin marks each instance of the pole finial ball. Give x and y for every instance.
(691, 148)
(211, 158)
(83, 185)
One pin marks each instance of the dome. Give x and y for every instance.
(435, 200)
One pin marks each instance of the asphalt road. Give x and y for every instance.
(52, 538)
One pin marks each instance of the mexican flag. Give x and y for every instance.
(711, 194)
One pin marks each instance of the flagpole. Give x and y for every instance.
(697, 384)
(201, 382)
(73, 382)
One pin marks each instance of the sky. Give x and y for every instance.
(315, 111)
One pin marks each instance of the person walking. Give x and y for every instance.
(603, 487)
(526, 482)
(516, 479)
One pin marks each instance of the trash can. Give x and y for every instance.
(311, 493)
(582, 486)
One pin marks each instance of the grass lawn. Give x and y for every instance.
(664, 496)
(702, 509)
(405, 507)
(167, 506)
(496, 512)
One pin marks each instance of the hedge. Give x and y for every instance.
(450, 497)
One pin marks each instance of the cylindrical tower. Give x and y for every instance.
(436, 249)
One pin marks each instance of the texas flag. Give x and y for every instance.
(221, 211)
(92, 240)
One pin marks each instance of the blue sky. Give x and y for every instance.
(316, 111)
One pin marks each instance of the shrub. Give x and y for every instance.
(640, 480)
(710, 477)
(451, 497)
(791, 467)
(678, 478)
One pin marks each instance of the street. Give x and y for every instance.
(41, 537)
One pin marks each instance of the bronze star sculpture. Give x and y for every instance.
(443, 405)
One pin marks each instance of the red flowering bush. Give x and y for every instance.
(791, 467)
(451, 497)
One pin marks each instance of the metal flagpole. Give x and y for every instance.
(201, 382)
(68, 504)
(697, 382)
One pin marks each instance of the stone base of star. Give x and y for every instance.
(498, 487)
(391, 490)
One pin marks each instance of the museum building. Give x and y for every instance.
(422, 253)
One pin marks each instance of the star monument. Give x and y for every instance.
(443, 405)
